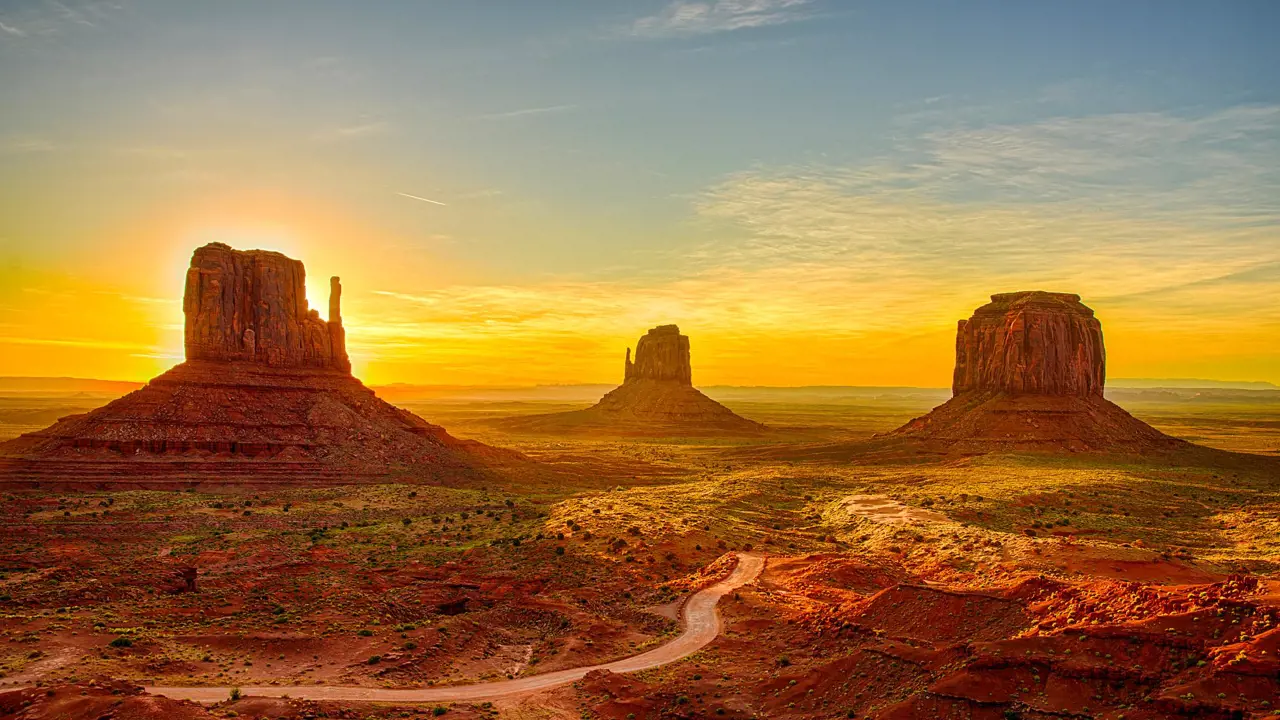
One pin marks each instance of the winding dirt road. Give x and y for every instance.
(701, 623)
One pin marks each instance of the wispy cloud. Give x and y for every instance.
(77, 343)
(1129, 210)
(51, 17)
(419, 197)
(354, 131)
(22, 145)
(529, 111)
(684, 18)
(1164, 223)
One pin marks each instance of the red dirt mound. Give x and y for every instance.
(99, 699)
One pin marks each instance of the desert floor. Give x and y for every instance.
(990, 586)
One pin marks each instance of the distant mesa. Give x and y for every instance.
(266, 394)
(1029, 375)
(656, 398)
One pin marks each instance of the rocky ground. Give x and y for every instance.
(1028, 586)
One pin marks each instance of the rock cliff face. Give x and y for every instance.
(252, 306)
(1029, 375)
(661, 354)
(1031, 342)
(266, 395)
(656, 398)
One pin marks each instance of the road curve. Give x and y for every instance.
(701, 623)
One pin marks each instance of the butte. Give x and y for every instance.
(265, 395)
(1029, 376)
(656, 398)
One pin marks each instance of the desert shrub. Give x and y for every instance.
(122, 642)
(784, 661)
(374, 659)
(559, 550)
(439, 710)
(364, 632)
(235, 694)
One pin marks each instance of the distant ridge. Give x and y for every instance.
(1191, 383)
(66, 384)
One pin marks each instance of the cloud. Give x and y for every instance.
(529, 111)
(22, 145)
(354, 131)
(683, 18)
(51, 17)
(1172, 222)
(78, 343)
(1164, 223)
(1223, 161)
(419, 197)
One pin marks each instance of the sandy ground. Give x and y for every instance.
(701, 623)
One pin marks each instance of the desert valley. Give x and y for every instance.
(257, 534)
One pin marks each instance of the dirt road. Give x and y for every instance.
(701, 625)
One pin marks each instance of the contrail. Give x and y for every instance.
(415, 197)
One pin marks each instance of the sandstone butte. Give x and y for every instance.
(265, 394)
(656, 398)
(1029, 375)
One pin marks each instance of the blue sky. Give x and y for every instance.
(676, 154)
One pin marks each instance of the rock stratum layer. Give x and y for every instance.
(251, 306)
(1029, 375)
(266, 394)
(656, 397)
(661, 354)
(1031, 343)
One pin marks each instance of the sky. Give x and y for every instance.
(513, 191)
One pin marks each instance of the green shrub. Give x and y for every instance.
(122, 642)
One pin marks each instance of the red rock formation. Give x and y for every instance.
(266, 393)
(1031, 342)
(1029, 375)
(252, 306)
(661, 354)
(656, 397)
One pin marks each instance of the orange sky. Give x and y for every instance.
(815, 196)
(115, 313)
